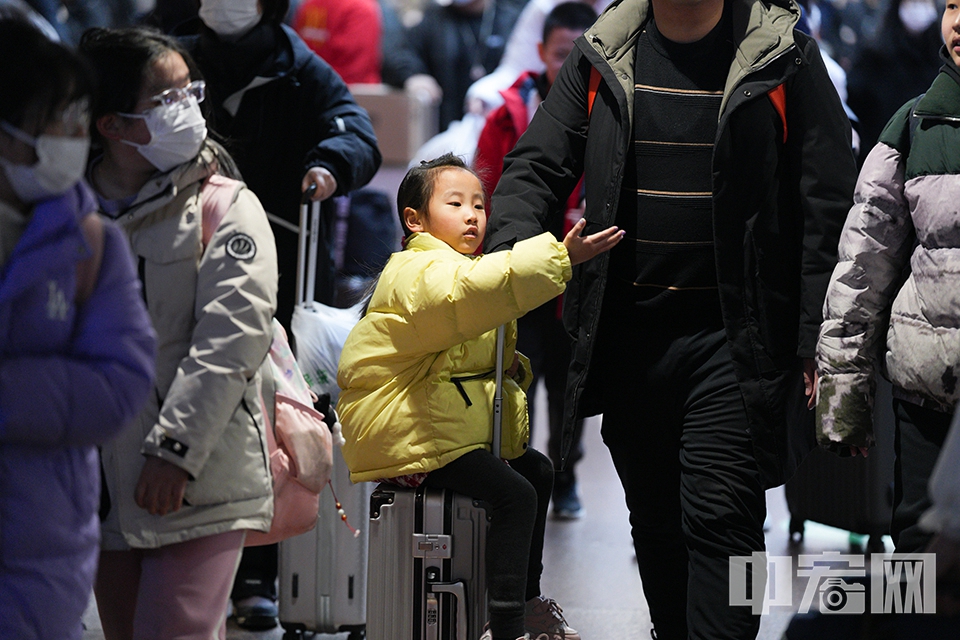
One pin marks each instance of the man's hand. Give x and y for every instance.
(810, 381)
(326, 183)
(581, 249)
(160, 487)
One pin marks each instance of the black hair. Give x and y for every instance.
(120, 59)
(45, 78)
(416, 188)
(575, 16)
(274, 11)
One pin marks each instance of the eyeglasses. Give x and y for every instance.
(196, 89)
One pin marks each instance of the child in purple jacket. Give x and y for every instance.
(76, 345)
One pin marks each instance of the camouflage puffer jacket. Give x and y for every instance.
(893, 305)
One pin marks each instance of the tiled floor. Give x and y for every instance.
(590, 568)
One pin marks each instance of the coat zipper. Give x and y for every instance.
(477, 376)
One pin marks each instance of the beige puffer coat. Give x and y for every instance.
(212, 311)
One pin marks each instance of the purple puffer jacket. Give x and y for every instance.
(70, 378)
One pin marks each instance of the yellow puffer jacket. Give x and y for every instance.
(417, 372)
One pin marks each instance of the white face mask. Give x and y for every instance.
(61, 161)
(177, 132)
(230, 18)
(917, 16)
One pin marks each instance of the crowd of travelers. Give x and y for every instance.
(715, 223)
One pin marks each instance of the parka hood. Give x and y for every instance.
(761, 32)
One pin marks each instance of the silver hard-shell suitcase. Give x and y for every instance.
(323, 572)
(426, 575)
(426, 571)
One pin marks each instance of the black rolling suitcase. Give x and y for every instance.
(854, 494)
(426, 568)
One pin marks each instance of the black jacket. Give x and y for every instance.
(779, 205)
(302, 117)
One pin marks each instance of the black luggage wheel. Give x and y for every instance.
(293, 631)
(299, 632)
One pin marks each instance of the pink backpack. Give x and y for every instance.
(299, 441)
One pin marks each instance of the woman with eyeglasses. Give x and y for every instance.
(192, 476)
(76, 346)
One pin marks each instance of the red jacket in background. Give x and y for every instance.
(346, 34)
(500, 133)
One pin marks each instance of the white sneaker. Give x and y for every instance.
(543, 620)
(488, 635)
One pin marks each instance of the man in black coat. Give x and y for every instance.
(289, 121)
(710, 132)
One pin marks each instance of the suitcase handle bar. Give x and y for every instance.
(459, 592)
(308, 194)
(307, 255)
(498, 394)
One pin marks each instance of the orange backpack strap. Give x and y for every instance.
(592, 90)
(216, 196)
(778, 96)
(88, 270)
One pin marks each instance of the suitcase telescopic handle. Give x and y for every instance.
(498, 394)
(308, 239)
(460, 593)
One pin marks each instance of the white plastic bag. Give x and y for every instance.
(319, 332)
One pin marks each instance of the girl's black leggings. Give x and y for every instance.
(518, 494)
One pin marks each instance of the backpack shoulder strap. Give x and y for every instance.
(216, 196)
(88, 270)
(592, 89)
(778, 97)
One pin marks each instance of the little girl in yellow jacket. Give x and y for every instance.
(417, 378)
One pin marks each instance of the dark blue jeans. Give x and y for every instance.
(676, 426)
(518, 496)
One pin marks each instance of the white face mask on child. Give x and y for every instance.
(230, 19)
(61, 161)
(177, 132)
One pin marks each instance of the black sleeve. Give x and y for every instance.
(546, 163)
(821, 153)
(348, 146)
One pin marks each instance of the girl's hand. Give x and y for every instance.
(583, 248)
(514, 366)
(161, 486)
